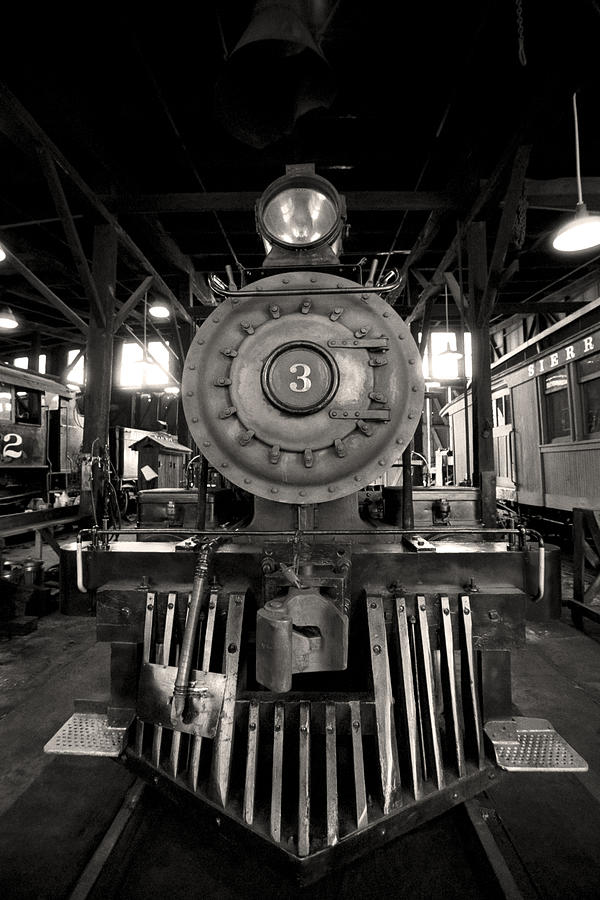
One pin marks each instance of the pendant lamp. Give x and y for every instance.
(582, 231)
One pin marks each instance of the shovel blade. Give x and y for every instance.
(203, 705)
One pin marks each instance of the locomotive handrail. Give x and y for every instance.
(219, 287)
(318, 531)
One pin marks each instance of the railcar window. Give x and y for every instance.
(556, 399)
(28, 407)
(502, 411)
(588, 377)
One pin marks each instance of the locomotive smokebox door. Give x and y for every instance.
(297, 420)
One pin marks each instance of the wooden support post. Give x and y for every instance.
(483, 441)
(408, 514)
(417, 441)
(99, 353)
(202, 487)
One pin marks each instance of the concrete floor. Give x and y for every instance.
(49, 804)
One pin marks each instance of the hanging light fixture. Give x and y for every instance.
(448, 353)
(7, 319)
(159, 310)
(582, 231)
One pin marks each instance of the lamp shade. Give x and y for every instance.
(159, 310)
(580, 233)
(7, 319)
(449, 353)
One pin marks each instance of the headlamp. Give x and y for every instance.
(300, 211)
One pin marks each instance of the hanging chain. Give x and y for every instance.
(521, 32)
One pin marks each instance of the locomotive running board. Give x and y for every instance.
(532, 745)
(87, 734)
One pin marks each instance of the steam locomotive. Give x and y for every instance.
(314, 682)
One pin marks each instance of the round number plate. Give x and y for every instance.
(300, 377)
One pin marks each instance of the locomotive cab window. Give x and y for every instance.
(6, 403)
(28, 407)
(19, 405)
(556, 406)
(588, 379)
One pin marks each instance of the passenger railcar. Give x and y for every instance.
(546, 409)
(313, 683)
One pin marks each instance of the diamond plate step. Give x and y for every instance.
(87, 734)
(523, 744)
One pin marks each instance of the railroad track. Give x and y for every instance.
(151, 851)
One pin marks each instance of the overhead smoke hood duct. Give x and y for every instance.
(276, 73)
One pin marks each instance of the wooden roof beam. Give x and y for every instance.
(484, 196)
(132, 302)
(62, 207)
(504, 233)
(9, 104)
(45, 291)
(245, 201)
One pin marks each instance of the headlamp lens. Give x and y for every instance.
(299, 216)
